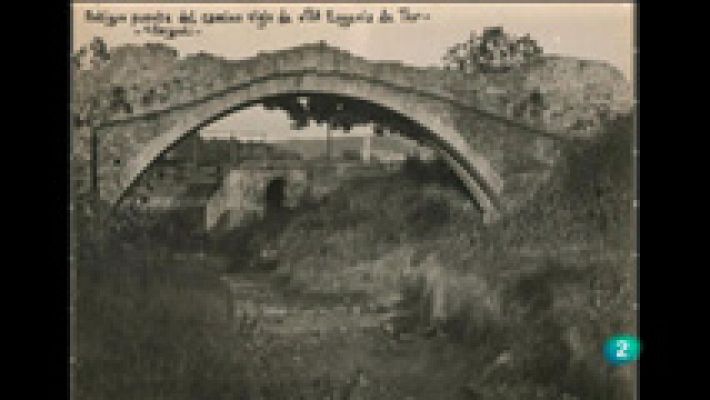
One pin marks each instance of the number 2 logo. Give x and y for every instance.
(622, 348)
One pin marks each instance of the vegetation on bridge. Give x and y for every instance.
(493, 51)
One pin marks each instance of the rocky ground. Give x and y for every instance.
(340, 348)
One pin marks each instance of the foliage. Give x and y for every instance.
(158, 333)
(561, 268)
(554, 310)
(93, 55)
(339, 112)
(546, 285)
(494, 50)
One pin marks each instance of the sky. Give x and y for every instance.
(594, 31)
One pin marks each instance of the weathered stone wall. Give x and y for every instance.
(243, 194)
(523, 159)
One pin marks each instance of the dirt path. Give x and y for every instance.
(337, 351)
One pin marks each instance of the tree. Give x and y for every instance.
(78, 59)
(493, 51)
(94, 55)
(99, 52)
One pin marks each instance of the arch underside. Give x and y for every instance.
(432, 115)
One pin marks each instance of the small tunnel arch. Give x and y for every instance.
(275, 195)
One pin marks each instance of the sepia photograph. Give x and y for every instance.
(425, 201)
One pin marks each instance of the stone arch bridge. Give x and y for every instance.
(500, 144)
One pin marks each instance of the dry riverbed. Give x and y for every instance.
(339, 348)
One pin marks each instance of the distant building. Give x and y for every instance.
(387, 156)
(185, 179)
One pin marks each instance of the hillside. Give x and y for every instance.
(544, 286)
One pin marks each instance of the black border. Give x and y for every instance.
(40, 97)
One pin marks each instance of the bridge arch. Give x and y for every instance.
(429, 114)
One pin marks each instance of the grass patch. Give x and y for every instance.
(157, 333)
